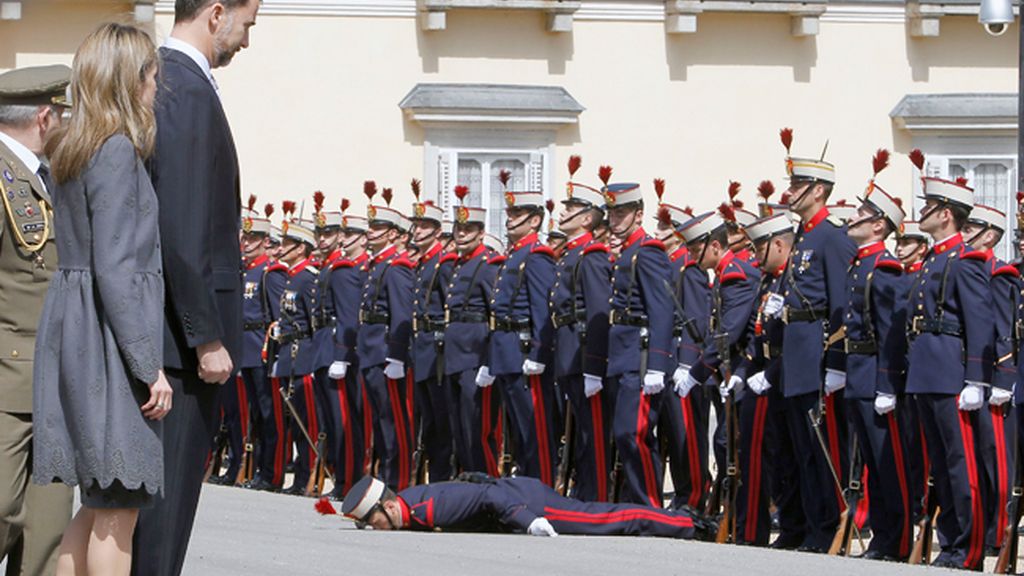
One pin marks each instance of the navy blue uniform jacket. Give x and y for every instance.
(583, 287)
(881, 371)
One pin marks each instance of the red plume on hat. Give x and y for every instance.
(324, 507)
(786, 135)
(288, 207)
(784, 199)
(664, 216)
(688, 211)
(605, 174)
(550, 204)
(461, 192)
(387, 195)
(734, 190)
(1020, 196)
(841, 202)
(917, 158)
(504, 176)
(268, 210)
(370, 189)
(345, 204)
(318, 201)
(961, 180)
(766, 189)
(727, 212)
(574, 164)
(737, 204)
(659, 188)
(898, 202)
(252, 202)
(415, 185)
(880, 161)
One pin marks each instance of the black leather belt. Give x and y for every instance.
(803, 314)
(467, 317)
(290, 337)
(320, 323)
(426, 324)
(920, 325)
(861, 347)
(771, 350)
(625, 318)
(371, 317)
(510, 324)
(568, 318)
(247, 326)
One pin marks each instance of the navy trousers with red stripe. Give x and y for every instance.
(996, 424)
(955, 468)
(530, 404)
(593, 440)
(433, 404)
(268, 409)
(783, 473)
(753, 521)
(636, 417)
(917, 453)
(303, 398)
(569, 516)
(682, 419)
(821, 499)
(341, 404)
(882, 449)
(474, 423)
(234, 402)
(393, 435)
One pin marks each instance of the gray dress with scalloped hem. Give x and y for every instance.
(100, 336)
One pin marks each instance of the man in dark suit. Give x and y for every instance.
(195, 174)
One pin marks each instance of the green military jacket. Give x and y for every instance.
(28, 257)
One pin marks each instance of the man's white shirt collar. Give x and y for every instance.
(192, 52)
(30, 160)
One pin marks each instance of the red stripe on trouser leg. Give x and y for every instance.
(833, 444)
(410, 386)
(597, 416)
(977, 540)
(243, 405)
(617, 516)
(693, 452)
(485, 432)
(1001, 473)
(864, 505)
(646, 461)
(367, 429)
(398, 412)
(754, 476)
(275, 395)
(314, 427)
(346, 424)
(897, 451)
(540, 424)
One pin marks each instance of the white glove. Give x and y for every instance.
(654, 382)
(999, 396)
(273, 371)
(483, 377)
(337, 370)
(971, 397)
(734, 383)
(531, 368)
(541, 527)
(394, 369)
(835, 380)
(773, 305)
(681, 379)
(758, 383)
(884, 403)
(591, 385)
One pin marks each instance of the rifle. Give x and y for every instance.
(220, 444)
(566, 453)
(315, 446)
(851, 496)
(315, 485)
(617, 478)
(816, 416)
(922, 551)
(419, 458)
(1007, 561)
(245, 466)
(506, 461)
(730, 481)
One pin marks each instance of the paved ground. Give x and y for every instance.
(256, 534)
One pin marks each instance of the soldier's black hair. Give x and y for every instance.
(720, 235)
(187, 10)
(960, 214)
(388, 495)
(827, 187)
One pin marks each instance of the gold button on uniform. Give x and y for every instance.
(14, 354)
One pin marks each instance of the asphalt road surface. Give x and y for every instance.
(256, 533)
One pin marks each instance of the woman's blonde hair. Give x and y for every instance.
(107, 80)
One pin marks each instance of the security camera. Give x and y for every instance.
(996, 16)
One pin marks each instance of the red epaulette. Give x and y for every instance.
(654, 243)
(975, 255)
(1006, 270)
(596, 247)
(404, 262)
(889, 265)
(343, 263)
(449, 257)
(733, 273)
(496, 259)
(542, 249)
(277, 267)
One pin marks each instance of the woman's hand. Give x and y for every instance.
(160, 394)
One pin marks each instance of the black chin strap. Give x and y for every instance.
(632, 221)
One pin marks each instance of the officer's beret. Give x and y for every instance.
(34, 85)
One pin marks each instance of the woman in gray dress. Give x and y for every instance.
(100, 392)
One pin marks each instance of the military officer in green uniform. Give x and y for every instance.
(32, 517)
